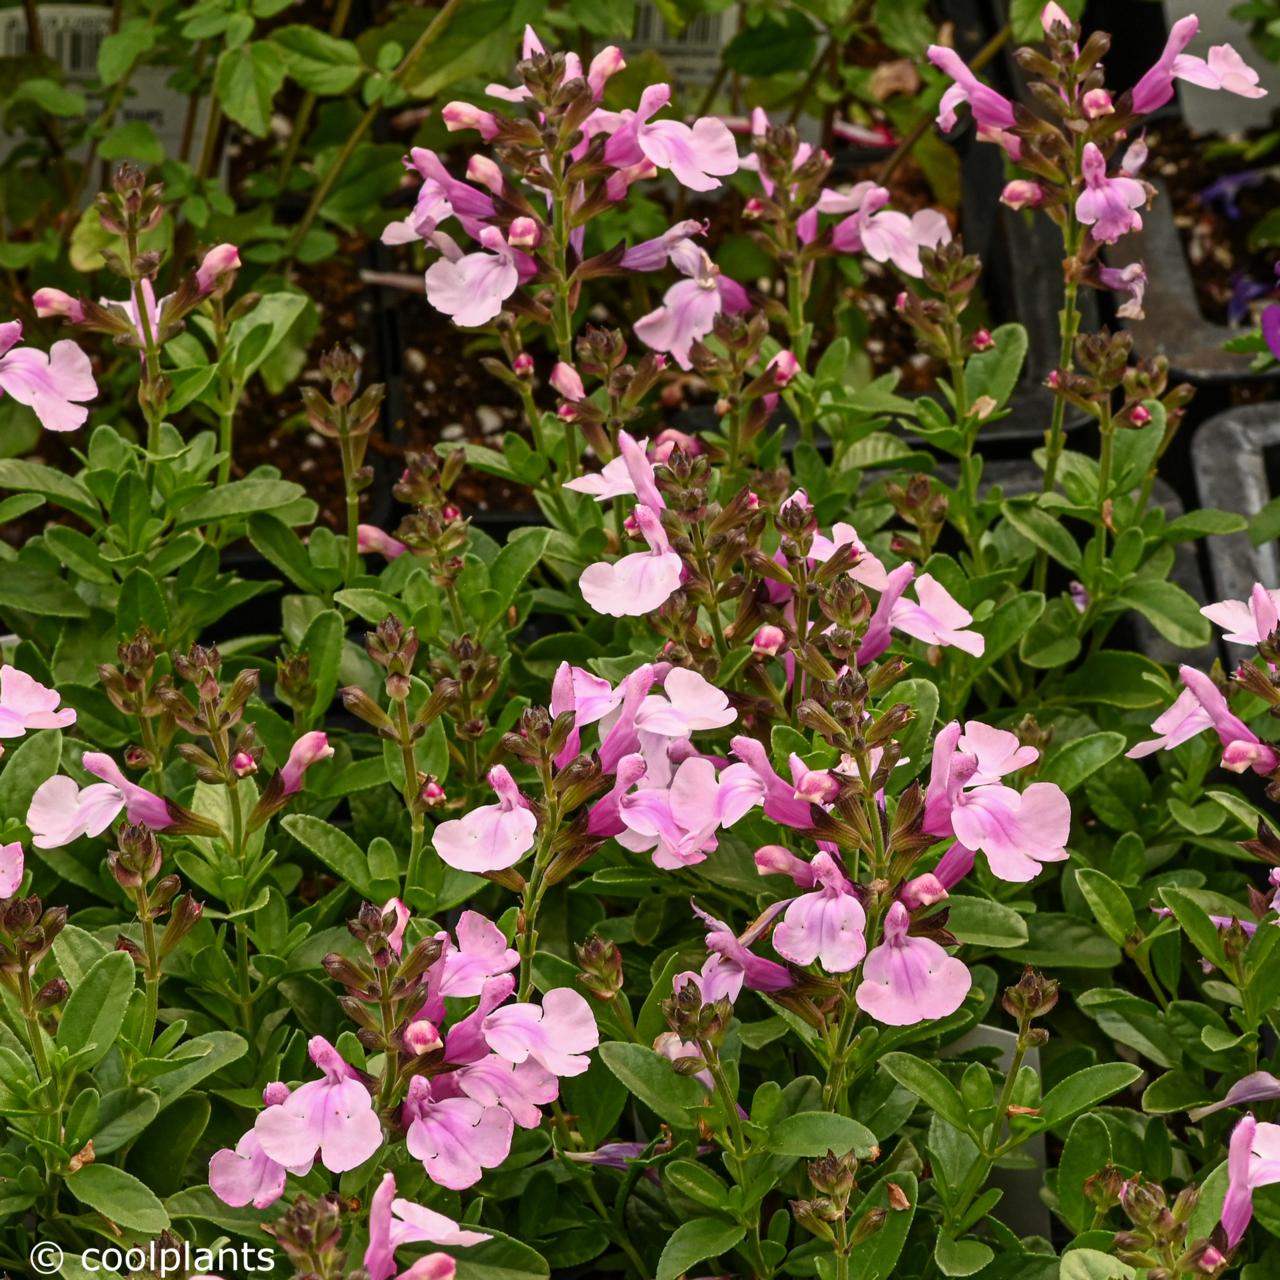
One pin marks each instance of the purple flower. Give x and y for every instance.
(456, 1138)
(990, 110)
(937, 619)
(1247, 621)
(1245, 290)
(780, 800)
(395, 1221)
(1253, 1160)
(638, 583)
(1224, 191)
(49, 384)
(696, 156)
(875, 640)
(309, 749)
(12, 863)
(371, 539)
(651, 255)
(826, 925)
(906, 980)
(867, 568)
(556, 1034)
(1225, 69)
(217, 269)
(26, 704)
(1271, 329)
(1130, 279)
(732, 964)
(1108, 206)
(1258, 1086)
(333, 1117)
(492, 837)
(60, 811)
(690, 307)
(463, 970)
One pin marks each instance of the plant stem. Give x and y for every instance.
(352, 496)
(151, 975)
(308, 105)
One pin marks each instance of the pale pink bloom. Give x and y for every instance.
(216, 267)
(613, 480)
(524, 233)
(696, 156)
(1053, 15)
(1225, 69)
(309, 749)
(492, 837)
(519, 1089)
(780, 800)
(248, 1175)
(396, 937)
(394, 1221)
(605, 816)
(690, 307)
(638, 583)
(922, 891)
(875, 640)
(768, 641)
(1130, 279)
(990, 109)
(884, 234)
(784, 366)
(997, 751)
(651, 255)
(49, 384)
(333, 1116)
(473, 209)
(1233, 73)
(463, 970)
(12, 863)
(472, 288)
(1245, 621)
(371, 539)
(1242, 748)
(422, 1036)
(826, 925)
(1108, 206)
(671, 1047)
(462, 115)
(1022, 193)
(1253, 1160)
(731, 964)
(688, 702)
(456, 1138)
(54, 302)
(589, 697)
(619, 736)
(937, 619)
(26, 704)
(867, 569)
(906, 980)
(1184, 720)
(1135, 156)
(60, 811)
(557, 1034)
(778, 860)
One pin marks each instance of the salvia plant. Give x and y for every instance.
(777, 858)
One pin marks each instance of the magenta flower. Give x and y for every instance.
(589, 697)
(619, 736)
(333, 1117)
(492, 837)
(780, 800)
(217, 268)
(690, 307)
(248, 1175)
(462, 115)
(456, 1138)
(395, 1221)
(60, 811)
(1242, 748)
(906, 980)
(696, 156)
(472, 287)
(990, 109)
(651, 255)
(1108, 206)
(371, 539)
(308, 750)
(49, 384)
(26, 704)
(937, 619)
(638, 583)
(556, 1034)
(1245, 621)
(1253, 1160)
(875, 640)
(826, 925)
(1225, 69)
(12, 863)
(56, 302)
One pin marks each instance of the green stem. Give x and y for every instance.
(352, 497)
(713, 603)
(151, 975)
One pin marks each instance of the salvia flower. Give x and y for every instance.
(49, 384)
(825, 925)
(936, 617)
(60, 811)
(1108, 206)
(1247, 622)
(394, 1221)
(12, 863)
(1224, 69)
(1253, 1161)
(26, 704)
(306, 751)
(638, 583)
(990, 109)
(471, 288)
(492, 837)
(906, 980)
(696, 155)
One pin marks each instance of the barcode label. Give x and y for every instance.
(71, 35)
(693, 53)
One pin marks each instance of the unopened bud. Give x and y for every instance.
(421, 1037)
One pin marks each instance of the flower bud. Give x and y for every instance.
(1022, 193)
(982, 340)
(275, 1093)
(1097, 102)
(524, 234)
(421, 1037)
(54, 992)
(769, 640)
(522, 366)
(601, 967)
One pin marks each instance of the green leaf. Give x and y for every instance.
(779, 42)
(929, 1085)
(652, 1079)
(52, 97)
(1043, 531)
(1110, 904)
(246, 81)
(696, 1241)
(135, 140)
(278, 543)
(96, 1008)
(1081, 759)
(961, 1257)
(995, 372)
(516, 561)
(1116, 679)
(814, 1133)
(316, 60)
(333, 847)
(239, 498)
(1193, 916)
(27, 589)
(120, 50)
(256, 336)
(1024, 18)
(698, 1183)
(1173, 613)
(1085, 1089)
(1203, 522)
(983, 923)
(1093, 1264)
(1060, 941)
(57, 486)
(141, 600)
(118, 1196)
(1087, 1151)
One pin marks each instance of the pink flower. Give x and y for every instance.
(906, 980)
(456, 1138)
(12, 864)
(884, 234)
(492, 837)
(308, 750)
(1130, 279)
(463, 970)
(371, 539)
(732, 964)
(394, 1221)
(216, 269)
(54, 302)
(784, 366)
(768, 641)
(333, 1116)
(638, 583)
(1108, 206)
(248, 1175)
(651, 255)
(780, 800)
(589, 697)
(990, 109)
(49, 384)
(472, 287)
(1233, 73)
(1097, 102)
(26, 704)
(688, 702)
(690, 307)
(1053, 15)
(630, 473)
(568, 382)
(1184, 720)
(1253, 1160)
(867, 568)
(875, 640)
(1225, 69)
(1245, 621)
(1242, 748)
(462, 115)
(997, 751)
(696, 156)
(1021, 193)
(826, 925)
(395, 938)
(557, 1034)
(937, 619)
(61, 812)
